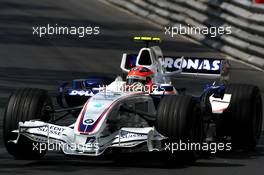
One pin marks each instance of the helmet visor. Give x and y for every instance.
(130, 81)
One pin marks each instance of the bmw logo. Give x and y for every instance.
(89, 121)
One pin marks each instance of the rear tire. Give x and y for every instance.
(179, 118)
(243, 117)
(24, 104)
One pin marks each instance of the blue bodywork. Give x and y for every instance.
(217, 91)
(80, 90)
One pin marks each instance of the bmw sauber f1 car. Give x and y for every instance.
(145, 110)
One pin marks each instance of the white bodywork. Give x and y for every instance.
(220, 105)
(92, 138)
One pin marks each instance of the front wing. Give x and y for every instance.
(63, 137)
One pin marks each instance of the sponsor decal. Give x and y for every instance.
(127, 135)
(81, 92)
(192, 64)
(89, 121)
(104, 99)
(52, 129)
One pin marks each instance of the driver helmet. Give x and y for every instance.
(140, 75)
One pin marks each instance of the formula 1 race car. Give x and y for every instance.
(145, 110)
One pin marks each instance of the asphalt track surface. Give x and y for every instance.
(30, 61)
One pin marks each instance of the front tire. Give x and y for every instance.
(24, 104)
(179, 118)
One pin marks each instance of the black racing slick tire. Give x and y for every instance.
(244, 115)
(179, 118)
(24, 105)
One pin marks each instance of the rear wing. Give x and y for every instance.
(210, 67)
(189, 66)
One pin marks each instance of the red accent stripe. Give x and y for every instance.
(82, 115)
(220, 110)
